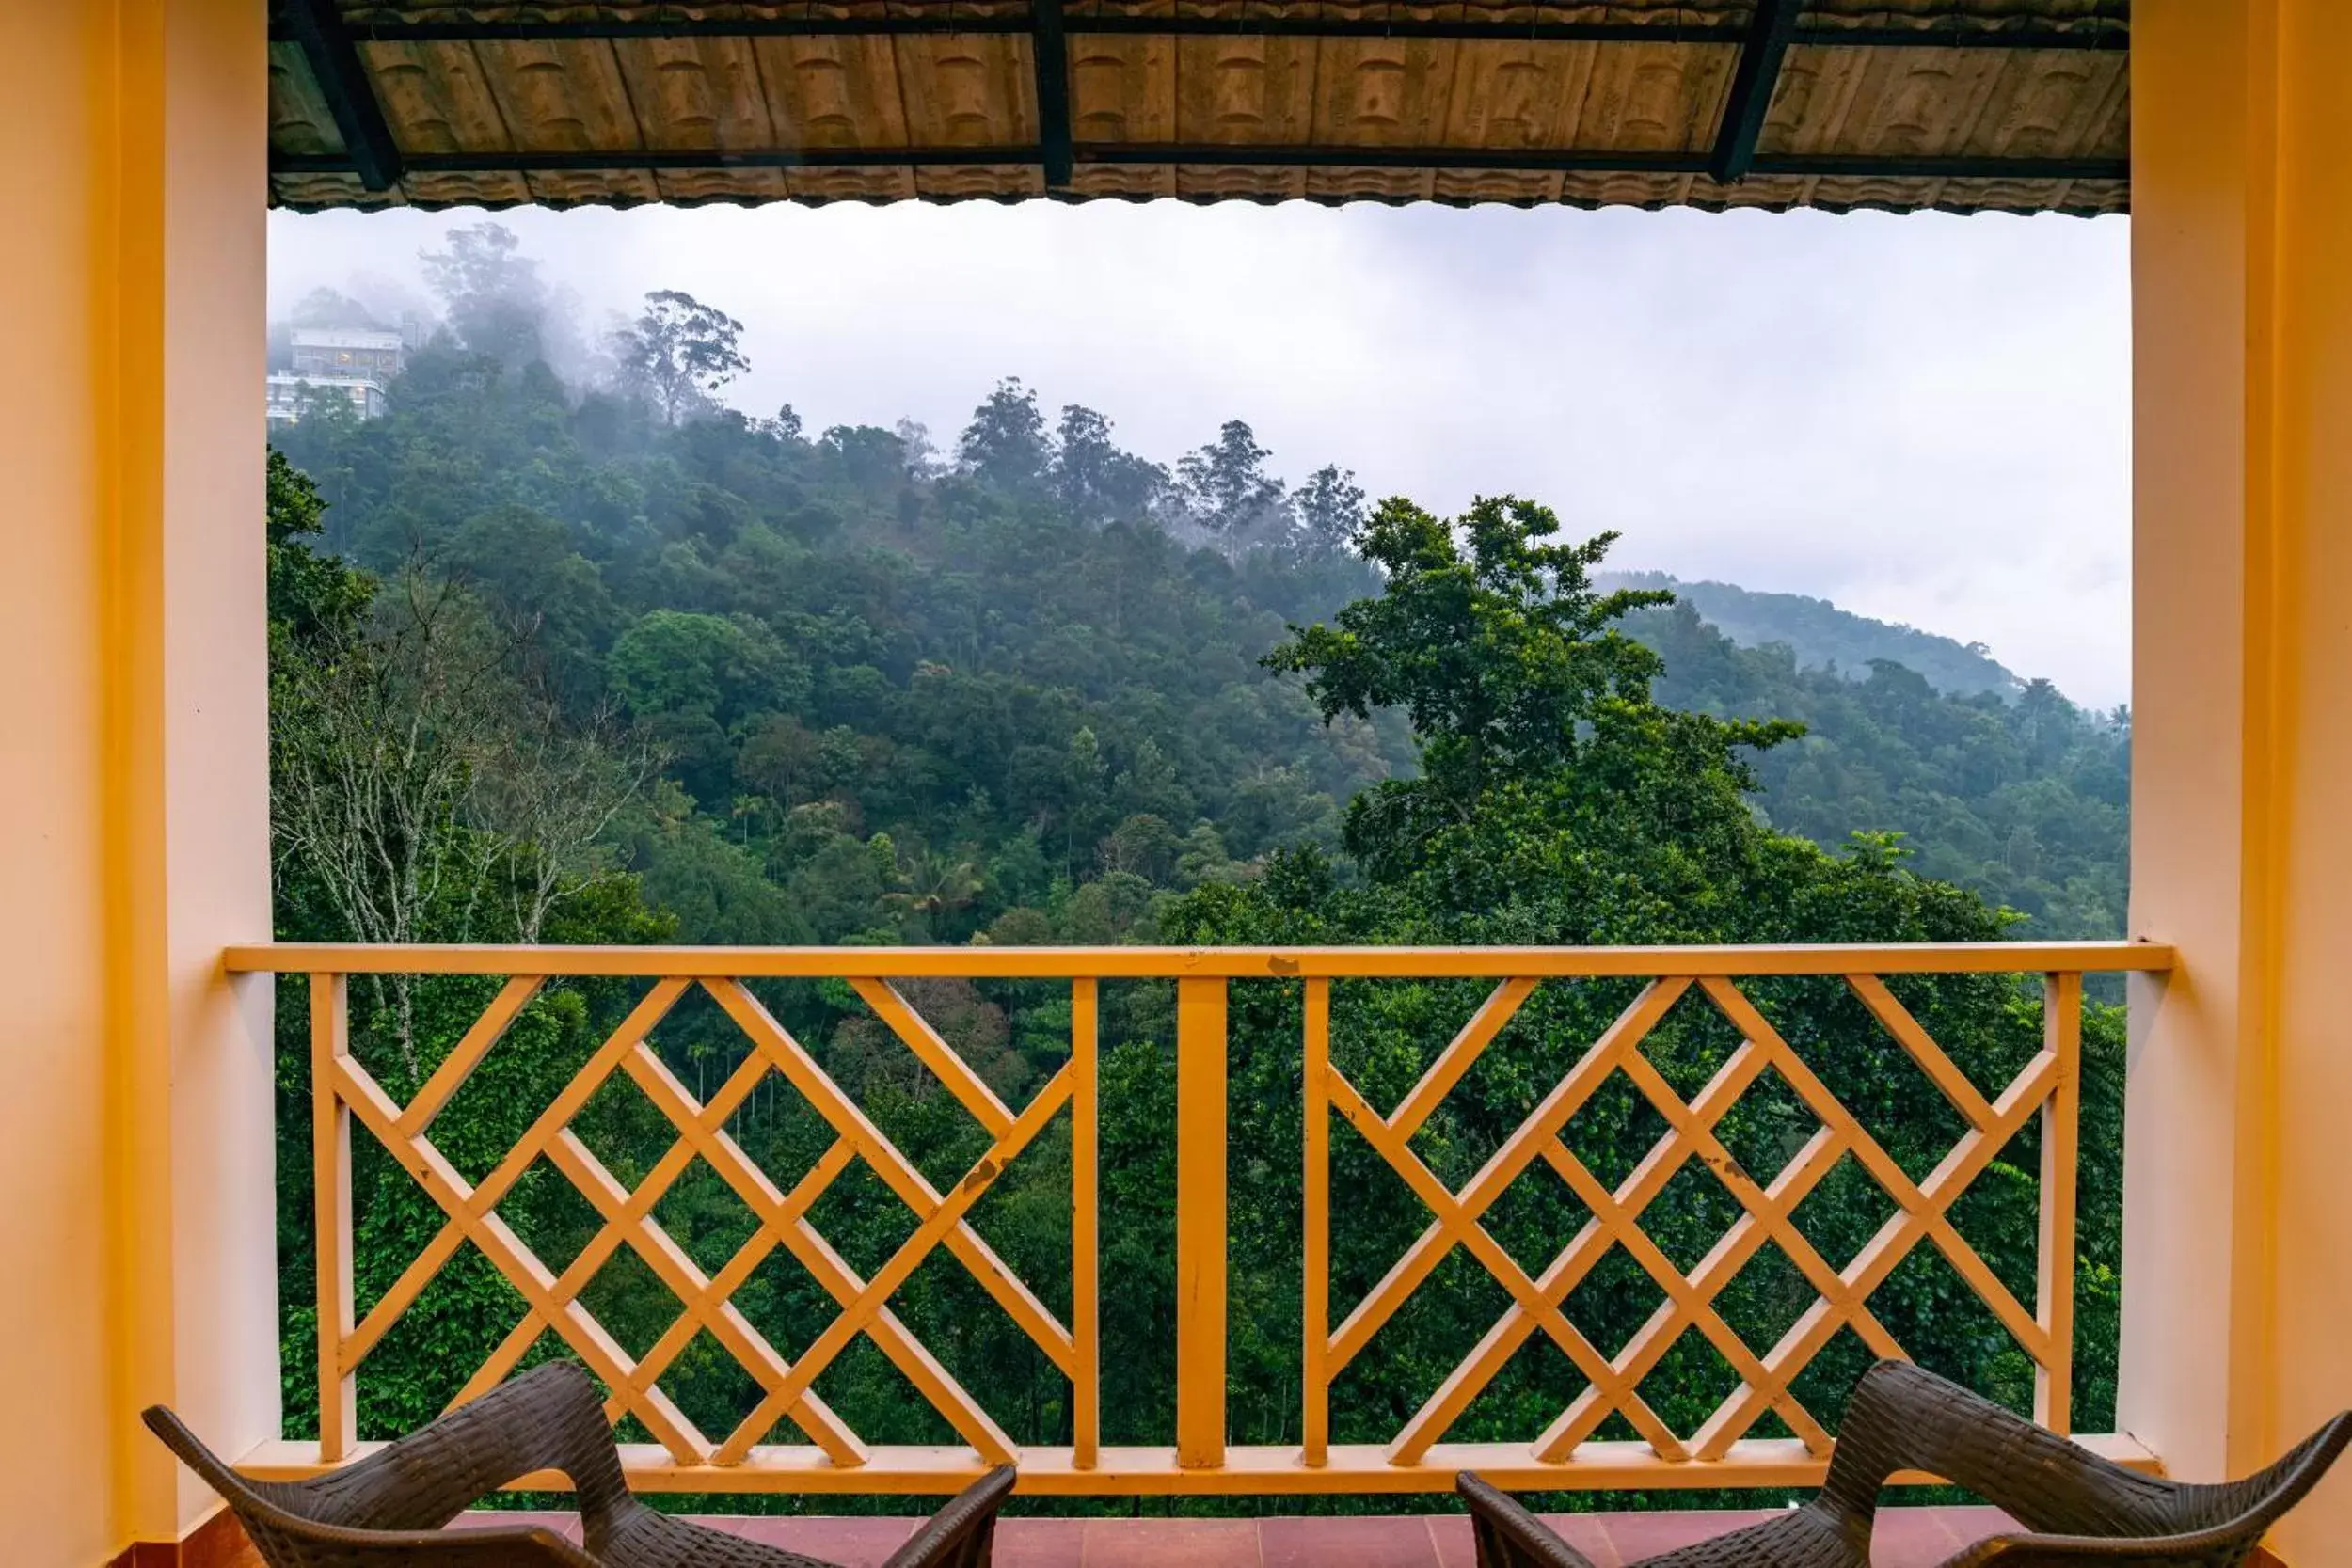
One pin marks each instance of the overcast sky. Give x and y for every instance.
(1924, 418)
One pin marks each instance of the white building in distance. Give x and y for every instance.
(348, 362)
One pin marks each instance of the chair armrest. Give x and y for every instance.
(963, 1534)
(1902, 1418)
(549, 1418)
(1507, 1535)
(2209, 1524)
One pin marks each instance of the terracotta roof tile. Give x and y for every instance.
(1959, 105)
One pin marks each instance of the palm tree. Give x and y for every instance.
(931, 884)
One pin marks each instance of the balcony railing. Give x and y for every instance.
(1721, 1451)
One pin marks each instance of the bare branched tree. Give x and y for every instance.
(542, 799)
(418, 769)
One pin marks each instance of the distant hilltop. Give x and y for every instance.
(1824, 637)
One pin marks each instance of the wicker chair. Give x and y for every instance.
(2075, 1507)
(388, 1511)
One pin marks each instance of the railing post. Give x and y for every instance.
(1316, 1234)
(2062, 1036)
(1201, 1224)
(330, 1155)
(1085, 1380)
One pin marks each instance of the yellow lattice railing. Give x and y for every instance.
(830, 1456)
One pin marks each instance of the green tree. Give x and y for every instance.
(680, 351)
(930, 886)
(1525, 697)
(1093, 478)
(313, 597)
(1331, 509)
(496, 302)
(331, 307)
(1561, 804)
(1230, 492)
(1005, 444)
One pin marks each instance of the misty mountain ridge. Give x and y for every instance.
(1822, 636)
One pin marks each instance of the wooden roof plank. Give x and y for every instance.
(2036, 24)
(697, 93)
(1122, 90)
(562, 95)
(1382, 92)
(833, 92)
(438, 98)
(1245, 90)
(969, 89)
(300, 119)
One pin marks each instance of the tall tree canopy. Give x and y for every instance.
(1230, 493)
(493, 295)
(1005, 444)
(680, 351)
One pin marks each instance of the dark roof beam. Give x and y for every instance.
(317, 26)
(1770, 32)
(1051, 49)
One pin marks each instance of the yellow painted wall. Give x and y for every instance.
(52, 1330)
(2237, 1268)
(2309, 1335)
(134, 1082)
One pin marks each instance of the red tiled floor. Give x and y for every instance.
(1903, 1537)
(850, 1542)
(1040, 1543)
(1635, 1536)
(1595, 1536)
(1171, 1544)
(1362, 1543)
(1451, 1534)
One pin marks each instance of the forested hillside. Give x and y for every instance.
(1823, 637)
(1032, 666)
(894, 696)
(2023, 799)
(612, 662)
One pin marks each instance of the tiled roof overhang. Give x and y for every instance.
(1966, 105)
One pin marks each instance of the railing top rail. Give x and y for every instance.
(1240, 963)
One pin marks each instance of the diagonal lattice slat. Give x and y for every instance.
(1517, 1152)
(520, 1266)
(1462, 1227)
(856, 1315)
(895, 1169)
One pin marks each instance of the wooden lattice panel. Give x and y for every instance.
(1569, 1453)
(2049, 1087)
(343, 1090)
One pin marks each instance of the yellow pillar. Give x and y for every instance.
(137, 1242)
(2237, 1248)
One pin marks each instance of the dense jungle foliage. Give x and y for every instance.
(614, 663)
